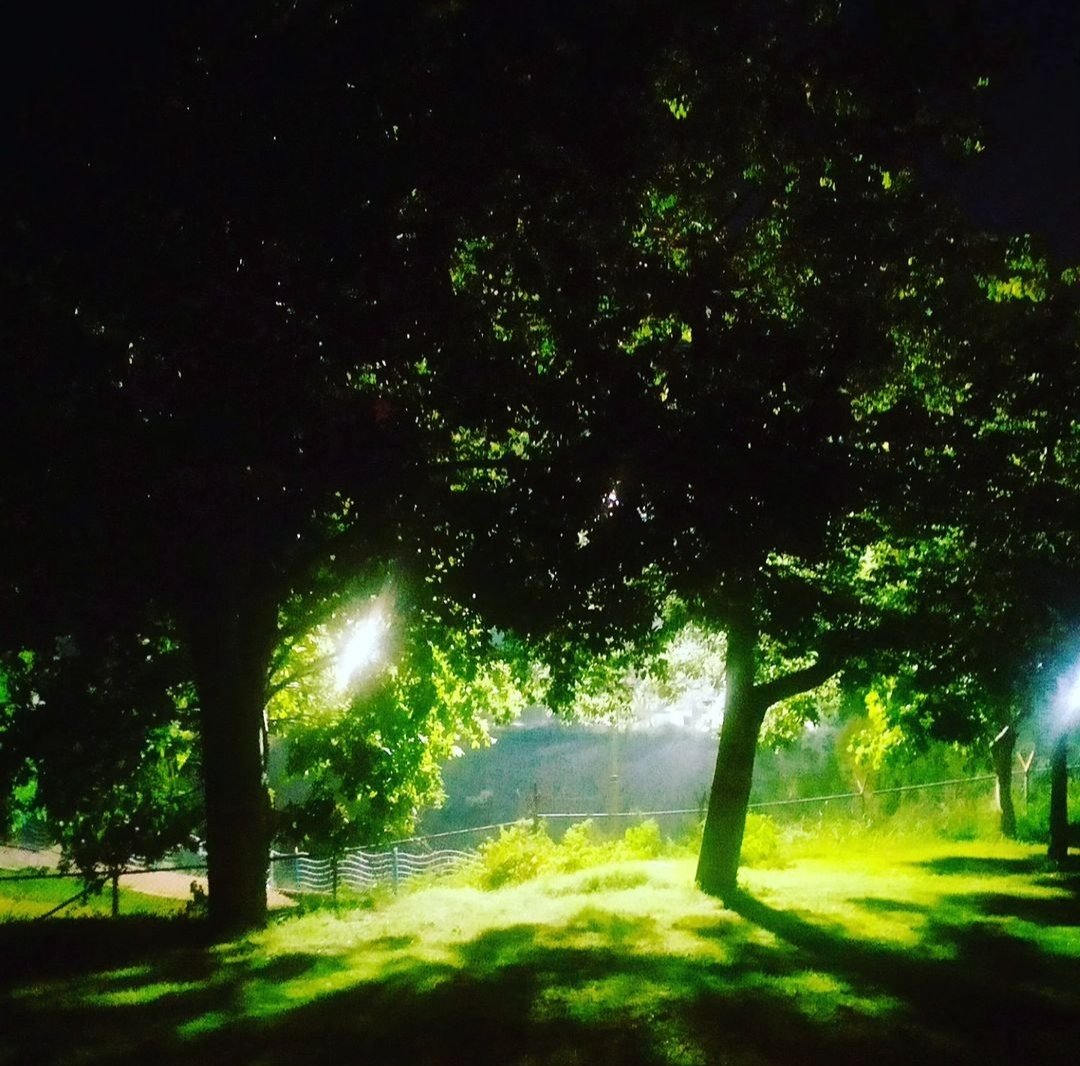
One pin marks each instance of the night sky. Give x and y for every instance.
(1028, 179)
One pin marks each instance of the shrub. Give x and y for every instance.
(644, 841)
(581, 847)
(761, 842)
(515, 855)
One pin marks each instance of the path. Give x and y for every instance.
(170, 884)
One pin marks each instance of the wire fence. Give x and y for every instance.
(392, 865)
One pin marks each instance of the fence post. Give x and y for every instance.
(334, 877)
(861, 786)
(396, 872)
(1026, 764)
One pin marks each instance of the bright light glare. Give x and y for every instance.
(1067, 699)
(362, 648)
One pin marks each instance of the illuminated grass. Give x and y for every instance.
(914, 952)
(30, 899)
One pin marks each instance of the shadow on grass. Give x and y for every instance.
(985, 866)
(602, 987)
(984, 995)
(1056, 911)
(58, 947)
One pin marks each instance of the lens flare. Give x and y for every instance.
(361, 650)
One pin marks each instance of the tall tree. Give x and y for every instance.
(722, 354)
(244, 371)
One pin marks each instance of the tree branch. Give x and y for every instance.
(810, 677)
(322, 663)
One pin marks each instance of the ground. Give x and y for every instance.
(887, 953)
(164, 884)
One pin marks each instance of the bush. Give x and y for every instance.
(523, 851)
(517, 854)
(581, 847)
(761, 842)
(644, 841)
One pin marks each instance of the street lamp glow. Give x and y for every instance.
(1067, 699)
(362, 648)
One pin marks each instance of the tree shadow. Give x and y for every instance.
(1053, 911)
(880, 905)
(985, 866)
(769, 986)
(44, 950)
(990, 995)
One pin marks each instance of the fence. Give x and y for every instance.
(359, 870)
(362, 869)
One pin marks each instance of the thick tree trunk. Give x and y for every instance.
(1002, 750)
(231, 652)
(1059, 800)
(725, 821)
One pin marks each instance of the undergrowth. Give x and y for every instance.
(525, 851)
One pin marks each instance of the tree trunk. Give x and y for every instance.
(232, 652)
(725, 821)
(1059, 800)
(1002, 750)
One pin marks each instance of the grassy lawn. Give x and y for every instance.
(885, 953)
(30, 899)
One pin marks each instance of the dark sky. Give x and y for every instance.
(1028, 179)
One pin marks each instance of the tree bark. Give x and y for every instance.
(231, 651)
(1059, 800)
(725, 820)
(1002, 750)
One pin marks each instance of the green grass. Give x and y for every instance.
(21, 899)
(883, 951)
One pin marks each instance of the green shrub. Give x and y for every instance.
(517, 854)
(761, 842)
(644, 841)
(580, 848)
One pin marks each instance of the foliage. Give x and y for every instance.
(526, 851)
(762, 846)
(101, 750)
(149, 812)
(678, 670)
(644, 841)
(363, 761)
(872, 744)
(517, 854)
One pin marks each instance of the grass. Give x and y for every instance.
(21, 899)
(882, 952)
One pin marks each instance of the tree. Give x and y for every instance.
(98, 746)
(249, 376)
(239, 291)
(722, 355)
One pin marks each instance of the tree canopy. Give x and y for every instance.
(556, 312)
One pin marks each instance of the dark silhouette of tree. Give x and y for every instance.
(243, 367)
(741, 363)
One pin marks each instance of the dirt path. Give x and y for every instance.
(169, 884)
